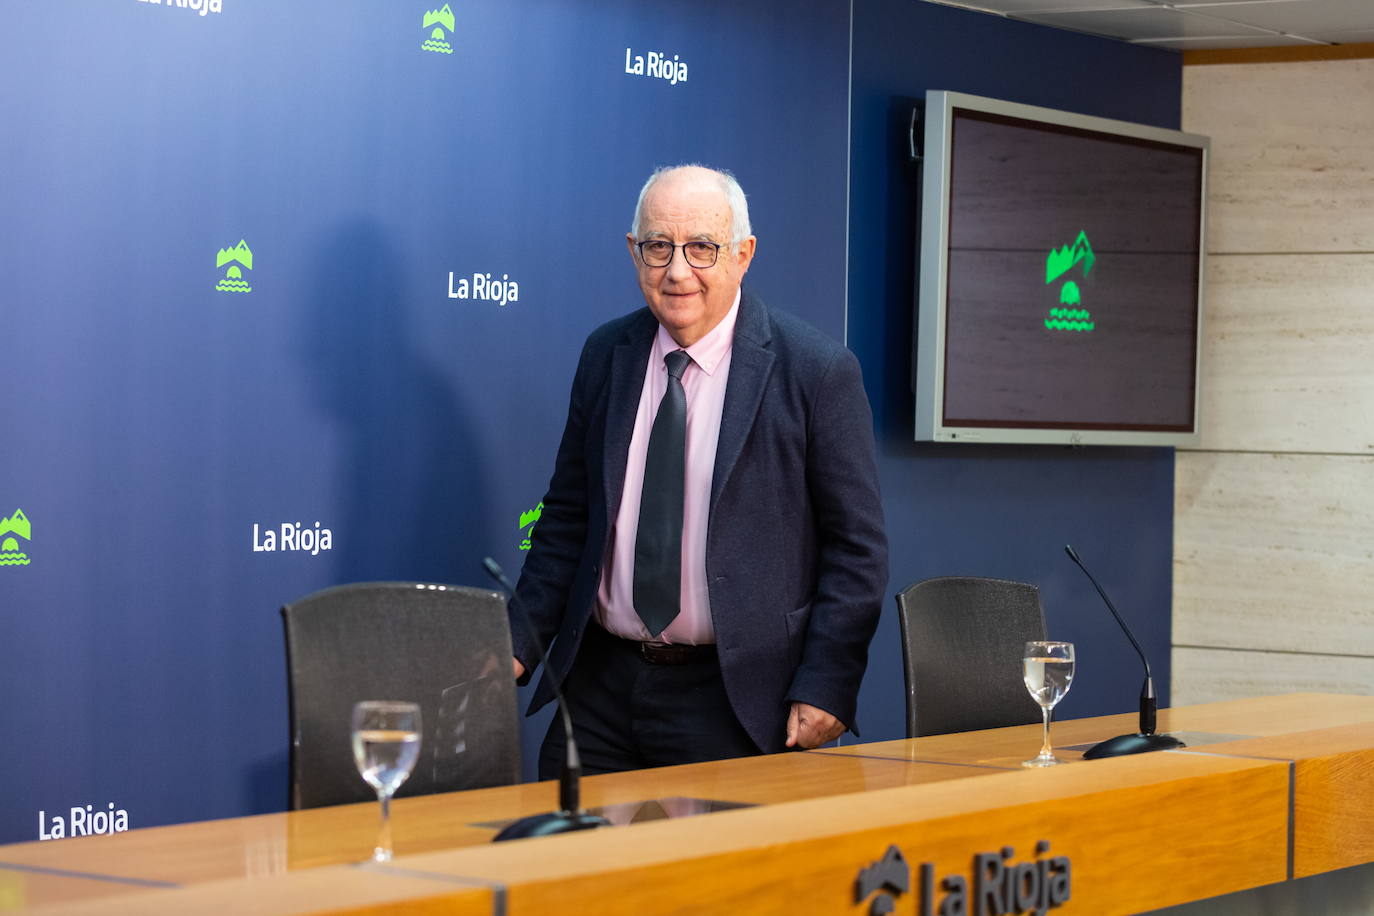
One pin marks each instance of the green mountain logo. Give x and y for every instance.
(527, 522)
(232, 281)
(1069, 317)
(16, 524)
(437, 21)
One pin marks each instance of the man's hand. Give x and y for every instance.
(810, 727)
(519, 668)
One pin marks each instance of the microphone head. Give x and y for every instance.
(494, 570)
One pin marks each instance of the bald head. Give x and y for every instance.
(700, 174)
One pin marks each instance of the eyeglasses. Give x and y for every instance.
(659, 253)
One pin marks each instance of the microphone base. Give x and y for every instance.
(550, 823)
(1122, 745)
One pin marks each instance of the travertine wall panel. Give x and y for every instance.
(1292, 165)
(1274, 515)
(1288, 347)
(1274, 551)
(1210, 675)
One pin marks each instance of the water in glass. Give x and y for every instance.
(385, 756)
(1047, 669)
(1047, 679)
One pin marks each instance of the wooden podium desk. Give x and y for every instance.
(1268, 790)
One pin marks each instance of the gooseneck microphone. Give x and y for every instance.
(569, 816)
(1145, 739)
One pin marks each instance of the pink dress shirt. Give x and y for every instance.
(704, 383)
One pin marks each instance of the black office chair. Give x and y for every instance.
(445, 647)
(962, 641)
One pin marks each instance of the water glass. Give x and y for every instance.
(386, 744)
(1047, 668)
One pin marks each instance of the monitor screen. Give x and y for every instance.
(1061, 266)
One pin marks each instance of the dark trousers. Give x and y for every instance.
(629, 713)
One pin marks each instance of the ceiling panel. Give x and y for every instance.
(1157, 22)
(1200, 5)
(1195, 24)
(1302, 17)
(1045, 6)
(1358, 36)
(1198, 44)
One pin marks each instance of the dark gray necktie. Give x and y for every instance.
(658, 544)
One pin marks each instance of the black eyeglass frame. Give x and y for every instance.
(714, 246)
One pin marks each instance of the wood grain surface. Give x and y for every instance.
(1142, 832)
(337, 890)
(1118, 820)
(274, 844)
(1332, 800)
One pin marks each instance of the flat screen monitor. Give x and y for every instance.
(1059, 298)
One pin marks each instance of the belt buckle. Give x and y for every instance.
(654, 652)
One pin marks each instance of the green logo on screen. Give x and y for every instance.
(527, 522)
(11, 530)
(239, 258)
(437, 21)
(1069, 315)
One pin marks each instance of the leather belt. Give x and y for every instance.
(657, 653)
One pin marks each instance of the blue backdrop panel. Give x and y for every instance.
(158, 415)
(1002, 511)
(154, 419)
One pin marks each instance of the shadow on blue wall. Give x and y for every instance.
(411, 493)
(409, 464)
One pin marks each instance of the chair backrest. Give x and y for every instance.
(962, 640)
(444, 647)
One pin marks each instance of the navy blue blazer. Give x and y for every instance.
(796, 554)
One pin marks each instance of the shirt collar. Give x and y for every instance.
(710, 351)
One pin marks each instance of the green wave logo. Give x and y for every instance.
(441, 19)
(527, 522)
(1071, 314)
(18, 526)
(1056, 325)
(238, 258)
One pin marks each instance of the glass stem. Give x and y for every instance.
(1045, 751)
(383, 851)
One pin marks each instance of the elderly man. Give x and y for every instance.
(711, 555)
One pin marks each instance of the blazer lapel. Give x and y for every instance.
(628, 362)
(751, 362)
